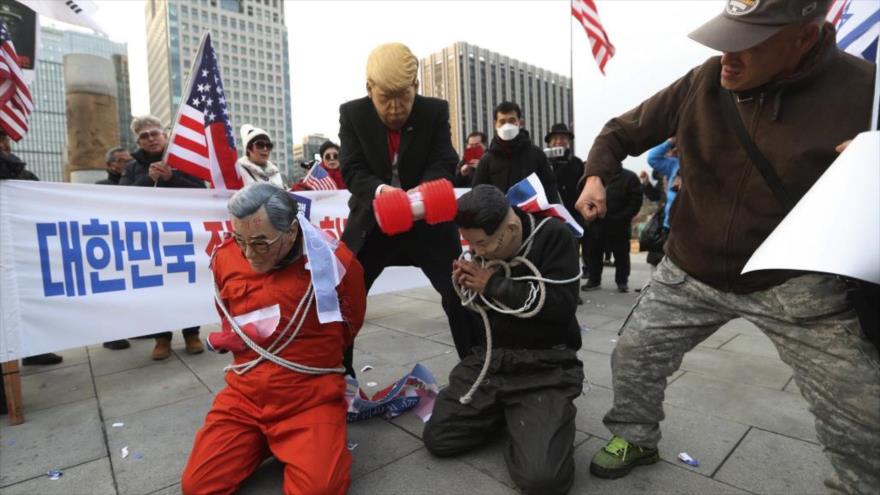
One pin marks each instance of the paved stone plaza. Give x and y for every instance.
(733, 406)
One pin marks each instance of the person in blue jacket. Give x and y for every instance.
(663, 158)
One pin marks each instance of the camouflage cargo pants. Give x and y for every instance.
(812, 326)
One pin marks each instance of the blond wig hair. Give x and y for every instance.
(392, 67)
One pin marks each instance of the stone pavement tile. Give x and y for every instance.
(490, 458)
(414, 324)
(207, 366)
(592, 319)
(659, 478)
(369, 328)
(267, 479)
(424, 293)
(440, 366)
(721, 336)
(55, 438)
(756, 345)
(90, 478)
(705, 438)
(591, 408)
(71, 357)
(168, 490)
(733, 367)
(424, 474)
(107, 361)
(772, 410)
(399, 348)
(127, 392)
(744, 326)
(601, 340)
(769, 463)
(163, 436)
(792, 387)
(409, 423)
(378, 444)
(445, 337)
(388, 304)
(56, 387)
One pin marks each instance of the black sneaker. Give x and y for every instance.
(117, 345)
(591, 286)
(622, 288)
(42, 359)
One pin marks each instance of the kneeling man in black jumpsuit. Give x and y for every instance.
(532, 373)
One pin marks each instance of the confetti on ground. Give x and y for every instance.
(371, 384)
(55, 474)
(687, 459)
(124, 452)
(118, 425)
(613, 340)
(137, 456)
(10, 443)
(366, 368)
(352, 445)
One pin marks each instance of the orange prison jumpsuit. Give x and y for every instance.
(298, 418)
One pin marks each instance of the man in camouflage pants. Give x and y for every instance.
(800, 99)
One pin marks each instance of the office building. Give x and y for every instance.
(474, 80)
(250, 39)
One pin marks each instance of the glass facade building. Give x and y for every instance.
(475, 80)
(44, 147)
(250, 39)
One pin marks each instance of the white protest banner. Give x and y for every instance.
(835, 227)
(82, 264)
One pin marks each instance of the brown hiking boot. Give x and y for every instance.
(162, 349)
(194, 344)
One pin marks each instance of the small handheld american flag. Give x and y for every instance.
(16, 103)
(201, 142)
(318, 179)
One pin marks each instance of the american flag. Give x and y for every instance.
(16, 103)
(201, 142)
(318, 179)
(528, 195)
(585, 12)
(858, 27)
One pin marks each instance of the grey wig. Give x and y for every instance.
(280, 207)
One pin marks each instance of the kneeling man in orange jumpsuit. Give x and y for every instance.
(290, 300)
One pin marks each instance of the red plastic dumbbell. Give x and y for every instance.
(432, 201)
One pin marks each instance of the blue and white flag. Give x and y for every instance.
(858, 26)
(528, 195)
(327, 270)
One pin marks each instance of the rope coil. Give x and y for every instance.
(479, 303)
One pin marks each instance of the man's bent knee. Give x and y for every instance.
(441, 445)
(543, 481)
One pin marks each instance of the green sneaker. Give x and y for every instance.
(618, 457)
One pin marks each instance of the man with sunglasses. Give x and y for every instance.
(285, 393)
(255, 166)
(146, 169)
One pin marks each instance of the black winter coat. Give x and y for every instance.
(568, 172)
(623, 196)
(11, 167)
(137, 173)
(508, 162)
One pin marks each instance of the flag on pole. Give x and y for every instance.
(528, 195)
(585, 12)
(201, 142)
(16, 102)
(858, 26)
(318, 179)
(77, 12)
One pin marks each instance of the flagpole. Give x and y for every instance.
(189, 81)
(571, 63)
(875, 109)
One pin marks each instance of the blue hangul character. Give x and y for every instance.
(142, 252)
(72, 258)
(44, 231)
(180, 251)
(96, 230)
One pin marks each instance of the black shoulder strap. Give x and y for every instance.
(730, 114)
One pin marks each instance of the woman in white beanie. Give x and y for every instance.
(255, 166)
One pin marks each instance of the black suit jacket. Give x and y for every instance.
(425, 154)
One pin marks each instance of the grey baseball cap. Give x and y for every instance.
(746, 23)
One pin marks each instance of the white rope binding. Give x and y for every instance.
(271, 354)
(479, 302)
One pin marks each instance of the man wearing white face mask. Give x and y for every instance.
(512, 156)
